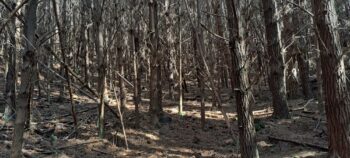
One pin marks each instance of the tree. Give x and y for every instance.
(101, 57)
(237, 27)
(198, 45)
(337, 98)
(155, 64)
(63, 45)
(277, 80)
(27, 71)
(301, 50)
(11, 75)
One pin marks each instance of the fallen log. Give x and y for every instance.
(323, 148)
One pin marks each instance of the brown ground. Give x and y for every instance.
(182, 137)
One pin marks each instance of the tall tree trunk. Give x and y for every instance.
(200, 76)
(290, 47)
(63, 39)
(337, 99)
(27, 78)
(155, 64)
(122, 60)
(277, 80)
(302, 53)
(85, 5)
(198, 43)
(63, 44)
(101, 62)
(11, 76)
(135, 48)
(179, 11)
(244, 101)
(169, 23)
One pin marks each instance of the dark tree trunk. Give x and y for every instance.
(302, 53)
(155, 64)
(337, 99)
(277, 80)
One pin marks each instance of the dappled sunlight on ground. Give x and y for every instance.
(181, 137)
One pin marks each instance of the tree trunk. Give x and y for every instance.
(302, 53)
(198, 41)
(337, 99)
(63, 44)
(135, 47)
(11, 76)
(101, 57)
(180, 108)
(155, 64)
(85, 5)
(27, 78)
(290, 47)
(170, 19)
(277, 80)
(200, 77)
(122, 60)
(244, 101)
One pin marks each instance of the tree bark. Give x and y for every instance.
(63, 45)
(170, 48)
(337, 98)
(11, 75)
(135, 48)
(237, 27)
(101, 61)
(155, 64)
(277, 80)
(198, 42)
(180, 81)
(302, 53)
(27, 78)
(85, 6)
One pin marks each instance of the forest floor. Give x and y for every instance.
(182, 136)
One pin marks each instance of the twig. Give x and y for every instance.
(308, 102)
(214, 34)
(303, 9)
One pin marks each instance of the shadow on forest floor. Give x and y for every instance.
(181, 137)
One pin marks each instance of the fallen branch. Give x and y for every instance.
(302, 115)
(299, 143)
(103, 152)
(70, 146)
(77, 87)
(121, 120)
(82, 111)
